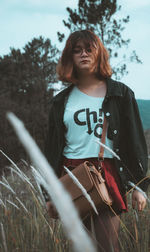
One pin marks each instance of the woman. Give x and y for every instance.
(76, 121)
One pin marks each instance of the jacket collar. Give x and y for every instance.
(113, 89)
(64, 93)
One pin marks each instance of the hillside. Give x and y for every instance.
(144, 108)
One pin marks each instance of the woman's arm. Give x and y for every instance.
(136, 143)
(138, 200)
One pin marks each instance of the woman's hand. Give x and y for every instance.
(139, 200)
(51, 210)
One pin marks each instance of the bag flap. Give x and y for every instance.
(82, 173)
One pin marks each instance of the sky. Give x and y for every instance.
(22, 20)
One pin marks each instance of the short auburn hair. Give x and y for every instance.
(65, 68)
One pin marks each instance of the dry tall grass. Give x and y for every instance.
(27, 227)
(25, 223)
(60, 197)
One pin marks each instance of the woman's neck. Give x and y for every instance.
(91, 85)
(86, 81)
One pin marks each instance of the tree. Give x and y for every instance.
(100, 17)
(26, 78)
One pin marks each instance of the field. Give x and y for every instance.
(26, 227)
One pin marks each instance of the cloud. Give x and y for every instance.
(38, 6)
(55, 3)
(134, 4)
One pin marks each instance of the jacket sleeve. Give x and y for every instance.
(49, 132)
(136, 143)
(47, 147)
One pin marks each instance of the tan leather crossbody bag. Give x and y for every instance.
(93, 182)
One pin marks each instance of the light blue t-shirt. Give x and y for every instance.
(83, 118)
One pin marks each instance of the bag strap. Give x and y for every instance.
(98, 174)
(101, 152)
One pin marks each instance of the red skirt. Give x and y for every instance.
(111, 177)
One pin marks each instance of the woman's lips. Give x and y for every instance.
(85, 61)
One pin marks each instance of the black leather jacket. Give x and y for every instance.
(124, 128)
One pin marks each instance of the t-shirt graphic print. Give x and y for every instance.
(83, 118)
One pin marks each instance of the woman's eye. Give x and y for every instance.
(88, 50)
(80, 50)
(76, 51)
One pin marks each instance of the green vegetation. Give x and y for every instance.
(25, 79)
(144, 106)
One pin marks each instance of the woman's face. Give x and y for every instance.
(83, 58)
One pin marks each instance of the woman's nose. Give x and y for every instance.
(84, 52)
